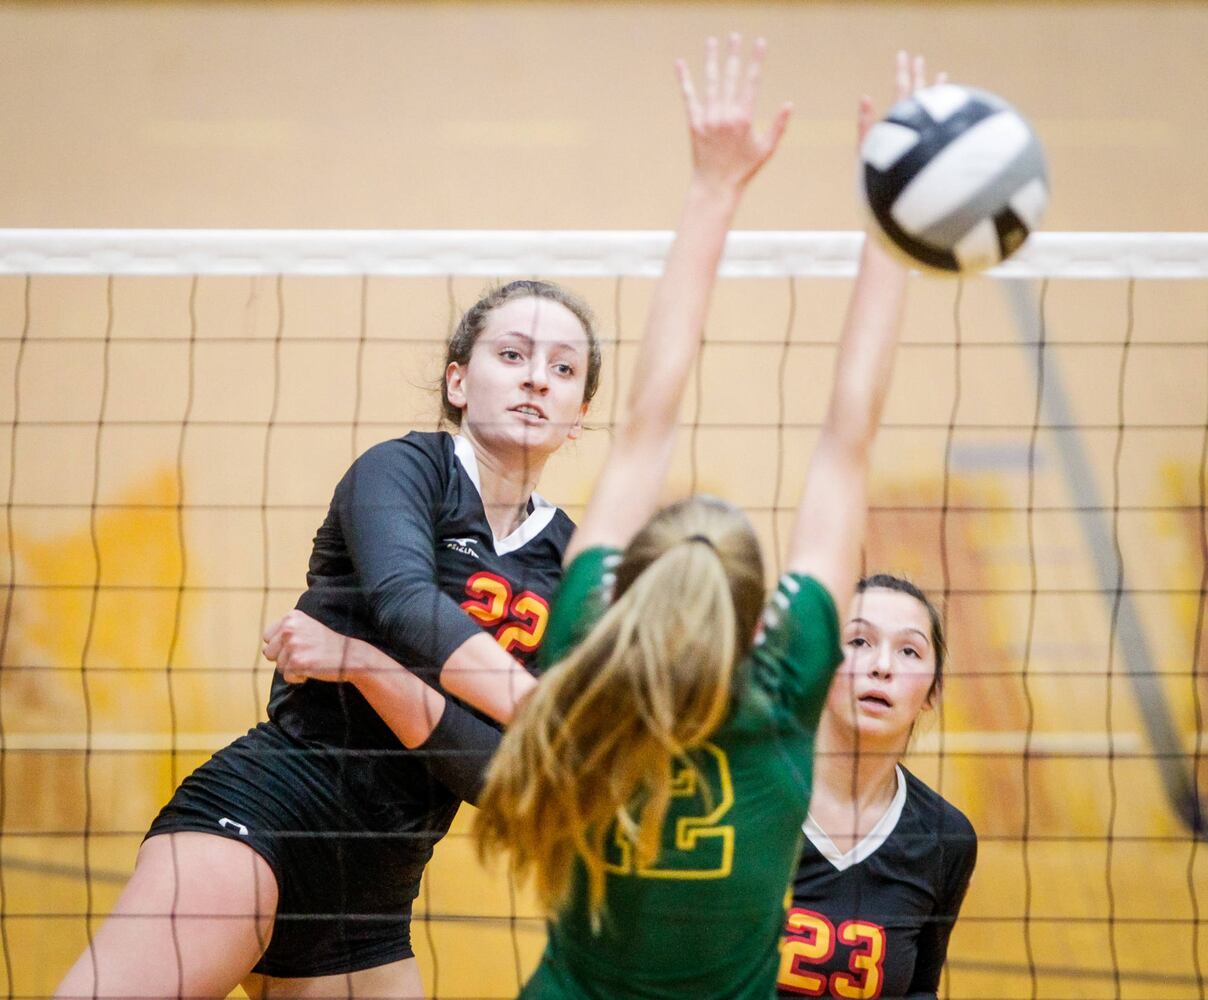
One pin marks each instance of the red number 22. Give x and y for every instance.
(491, 604)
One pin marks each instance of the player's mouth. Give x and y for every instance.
(530, 410)
(875, 702)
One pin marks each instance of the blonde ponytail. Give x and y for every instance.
(596, 744)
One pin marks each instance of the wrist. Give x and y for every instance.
(363, 663)
(722, 194)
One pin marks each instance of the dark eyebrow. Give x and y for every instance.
(865, 621)
(528, 340)
(517, 333)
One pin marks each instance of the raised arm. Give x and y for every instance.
(829, 530)
(727, 152)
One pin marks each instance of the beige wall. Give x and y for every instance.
(553, 115)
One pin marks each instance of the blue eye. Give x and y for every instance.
(510, 354)
(566, 370)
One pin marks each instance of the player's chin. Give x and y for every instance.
(880, 727)
(542, 437)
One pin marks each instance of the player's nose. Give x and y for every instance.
(881, 664)
(536, 378)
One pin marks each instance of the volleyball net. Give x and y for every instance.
(180, 404)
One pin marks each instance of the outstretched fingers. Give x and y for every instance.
(712, 79)
(866, 116)
(771, 138)
(901, 75)
(727, 148)
(730, 82)
(910, 74)
(754, 75)
(692, 106)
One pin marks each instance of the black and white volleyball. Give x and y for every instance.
(955, 177)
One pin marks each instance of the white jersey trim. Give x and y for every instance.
(871, 842)
(542, 513)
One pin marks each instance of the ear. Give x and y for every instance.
(455, 378)
(577, 427)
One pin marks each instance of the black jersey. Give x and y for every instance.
(406, 560)
(875, 922)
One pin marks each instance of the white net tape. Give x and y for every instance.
(555, 253)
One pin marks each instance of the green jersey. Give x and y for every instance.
(704, 920)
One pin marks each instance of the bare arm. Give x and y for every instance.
(829, 530)
(306, 649)
(458, 745)
(727, 152)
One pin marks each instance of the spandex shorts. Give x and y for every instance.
(346, 871)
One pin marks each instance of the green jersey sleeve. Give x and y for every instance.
(797, 650)
(582, 598)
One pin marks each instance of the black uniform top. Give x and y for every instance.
(875, 922)
(406, 560)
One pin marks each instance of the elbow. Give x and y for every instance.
(645, 423)
(392, 613)
(645, 434)
(849, 441)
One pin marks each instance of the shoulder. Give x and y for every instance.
(437, 445)
(800, 627)
(940, 815)
(418, 449)
(561, 527)
(583, 596)
(810, 598)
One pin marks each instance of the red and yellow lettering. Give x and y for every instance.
(809, 940)
(533, 613)
(492, 601)
(493, 594)
(866, 960)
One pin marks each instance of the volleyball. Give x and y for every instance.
(955, 177)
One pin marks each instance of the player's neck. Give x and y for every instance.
(505, 484)
(854, 783)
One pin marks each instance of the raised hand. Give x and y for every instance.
(727, 150)
(910, 74)
(305, 649)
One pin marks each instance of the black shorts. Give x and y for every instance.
(346, 854)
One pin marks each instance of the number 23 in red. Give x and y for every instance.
(810, 941)
(493, 603)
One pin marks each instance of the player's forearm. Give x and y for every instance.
(828, 531)
(864, 364)
(481, 674)
(405, 703)
(680, 304)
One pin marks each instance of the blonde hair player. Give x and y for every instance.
(655, 783)
(656, 780)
